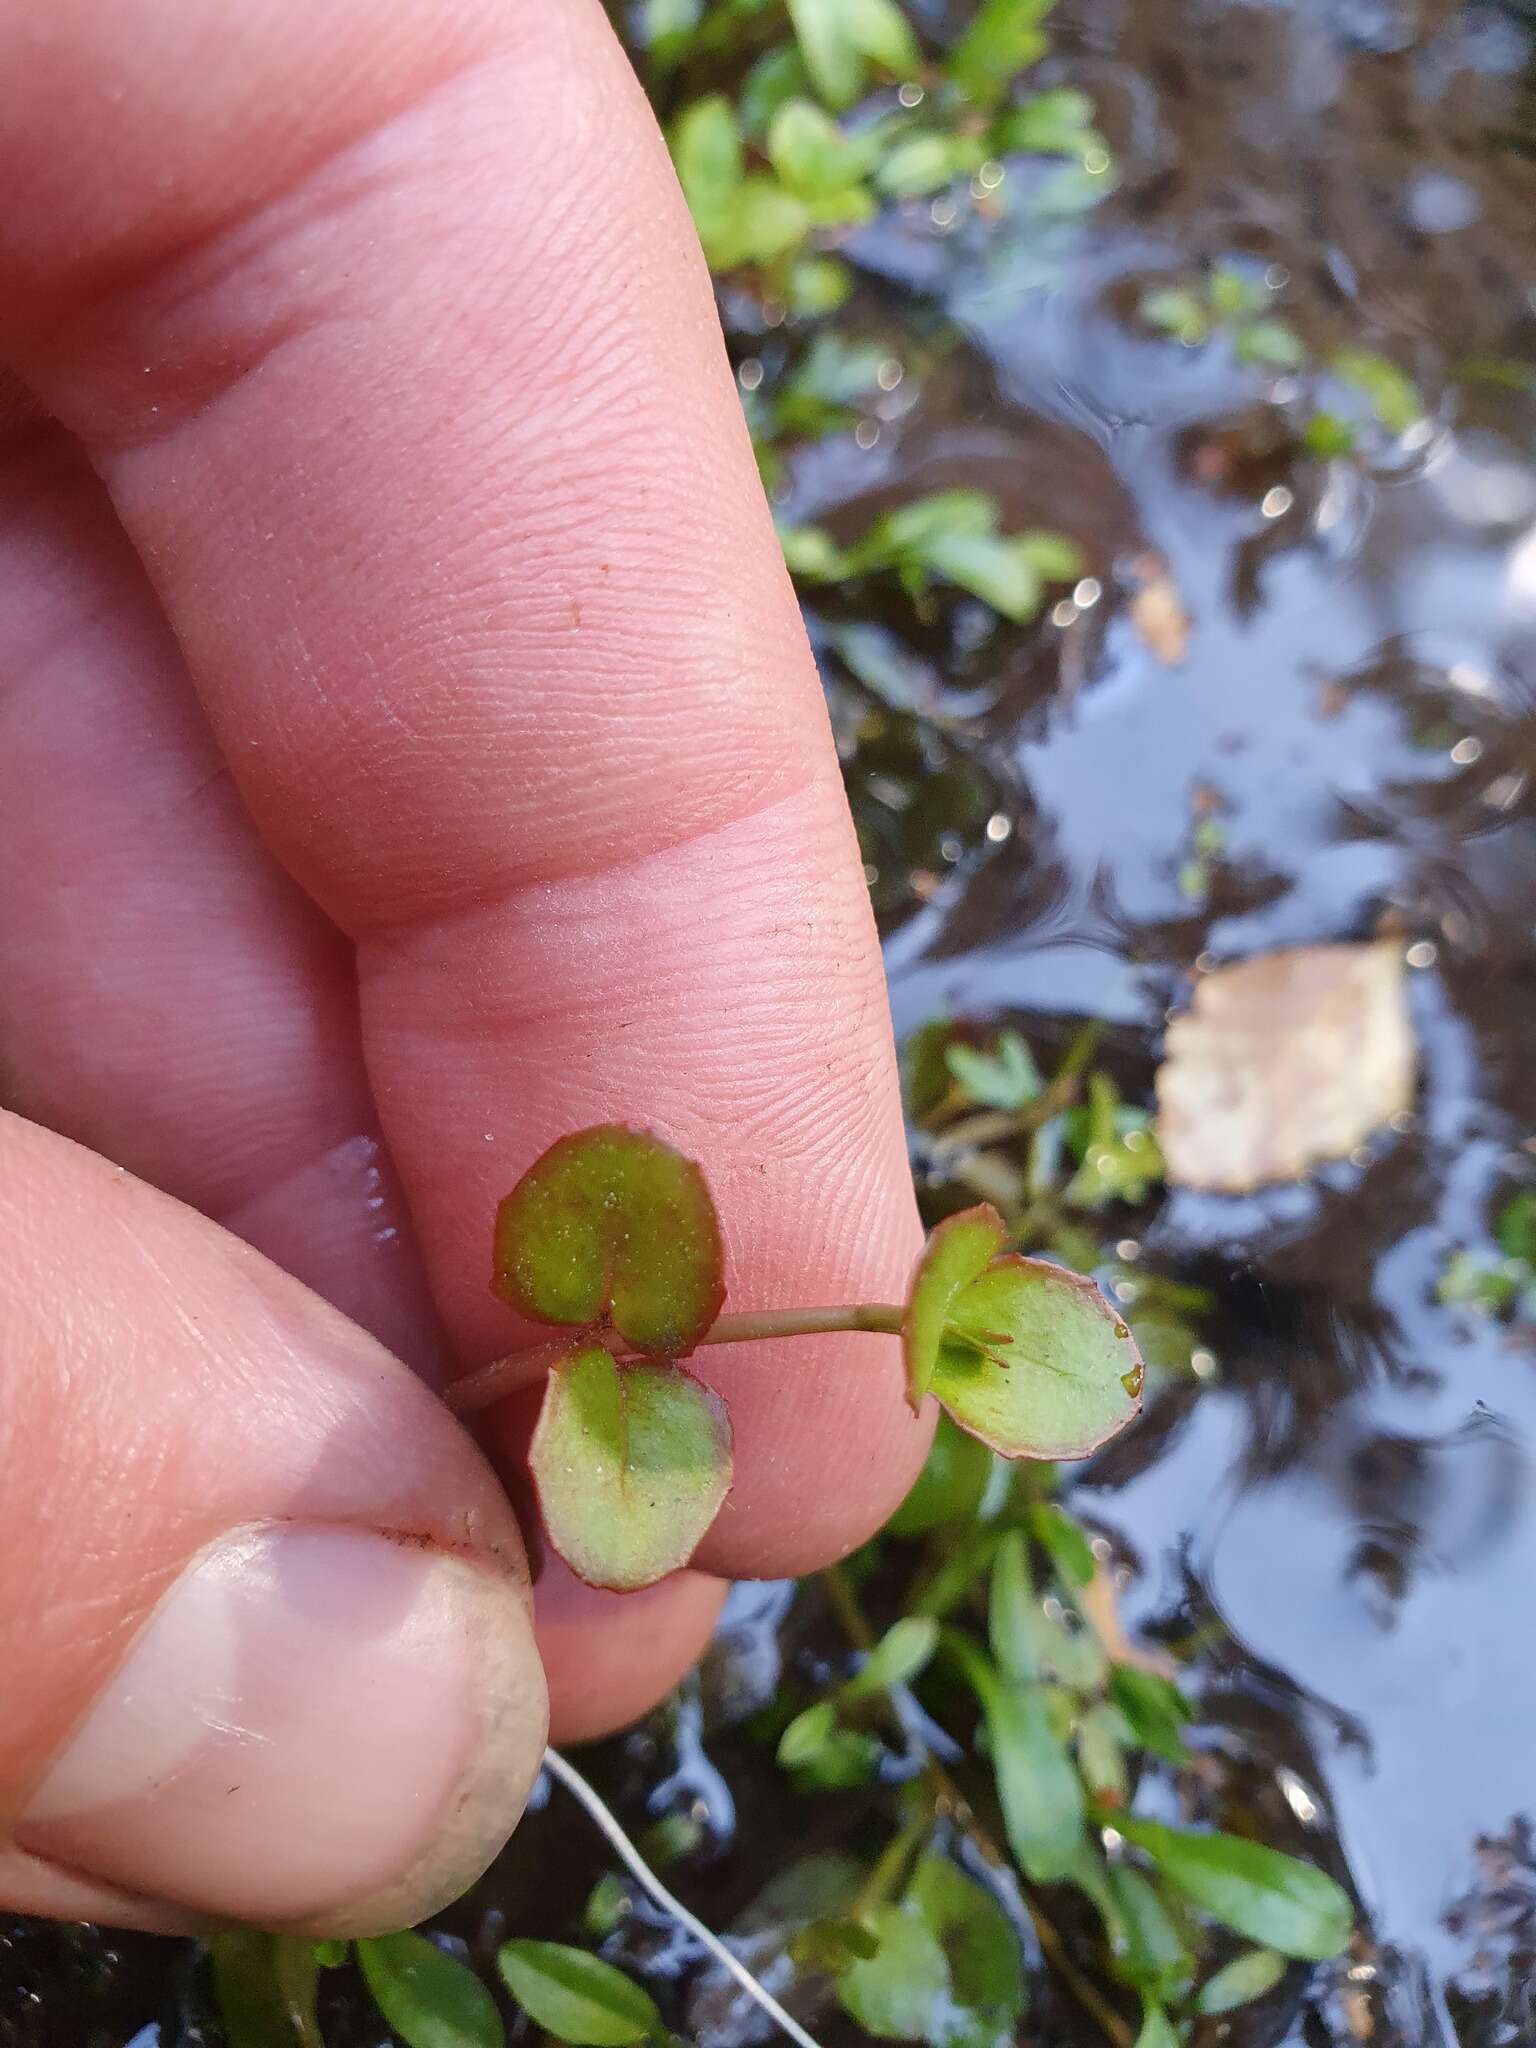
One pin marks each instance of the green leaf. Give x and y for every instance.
(896, 1659)
(810, 152)
(706, 154)
(839, 39)
(1393, 396)
(818, 285)
(666, 28)
(1005, 1078)
(986, 1987)
(914, 527)
(330, 1955)
(923, 163)
(1327, 436)
(1149, 1950)
(613, 1222)
(1468, 1280)
(996, 568)
(1155, 1708)
(1004, 37)
(813, 554)
(631, 1465)
(575, 1996)
(763, 223)
(1053, 557)
(265, 1987)
(1070, 1550)
(1101, 1737)
(1232, 294)
(1270, 344)
(897, 1993)
(1239, 1982)
(1176, 311)
(1117, 1145)
(957, 1253)
(949, 1487)
(827, 1947)
(1270, 1898)
(777, 76)
(1035, 1362)
(1515, 1228)
(1040, 1793)
(1055, 123)
(807, 1735)
(1156, 2029)
(1013, 1614)
(429, 1999)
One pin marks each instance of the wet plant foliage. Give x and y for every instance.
(614, 1232)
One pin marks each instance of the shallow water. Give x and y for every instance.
(1352, 1499)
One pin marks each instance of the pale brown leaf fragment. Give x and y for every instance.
(1282, 1062)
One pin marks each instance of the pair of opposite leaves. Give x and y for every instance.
(613, 1235)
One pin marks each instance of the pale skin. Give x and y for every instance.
(409, 752)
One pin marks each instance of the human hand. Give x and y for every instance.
(409, 751)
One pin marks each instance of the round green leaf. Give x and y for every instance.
(631, 1464)
(613, 1223)
(1036, 1363)
(1256, 1891)
(429, 1999)
(902, 1990)
(577, 1997)
(985, 1966)
(956, 1253)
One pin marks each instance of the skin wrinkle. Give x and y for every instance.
(734, 691)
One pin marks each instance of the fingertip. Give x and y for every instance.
(609, 1658)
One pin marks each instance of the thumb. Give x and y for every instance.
(264, 1615)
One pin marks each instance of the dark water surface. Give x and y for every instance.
(1351, 1498)
(1353, 1501)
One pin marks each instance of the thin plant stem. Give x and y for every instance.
(880, 1318)
(505, 1375)
(609, 1826)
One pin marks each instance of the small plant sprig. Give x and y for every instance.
(612, 1237)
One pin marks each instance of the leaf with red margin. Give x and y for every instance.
(613, 1225)
(631, 1465)
(958, 1251)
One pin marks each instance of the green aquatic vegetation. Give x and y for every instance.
(947, 537)
(1059, 1725)
(612, 1237)
(1501, 1282)
(792, 156)
(1344, 390)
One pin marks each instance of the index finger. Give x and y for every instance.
(389, 334)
